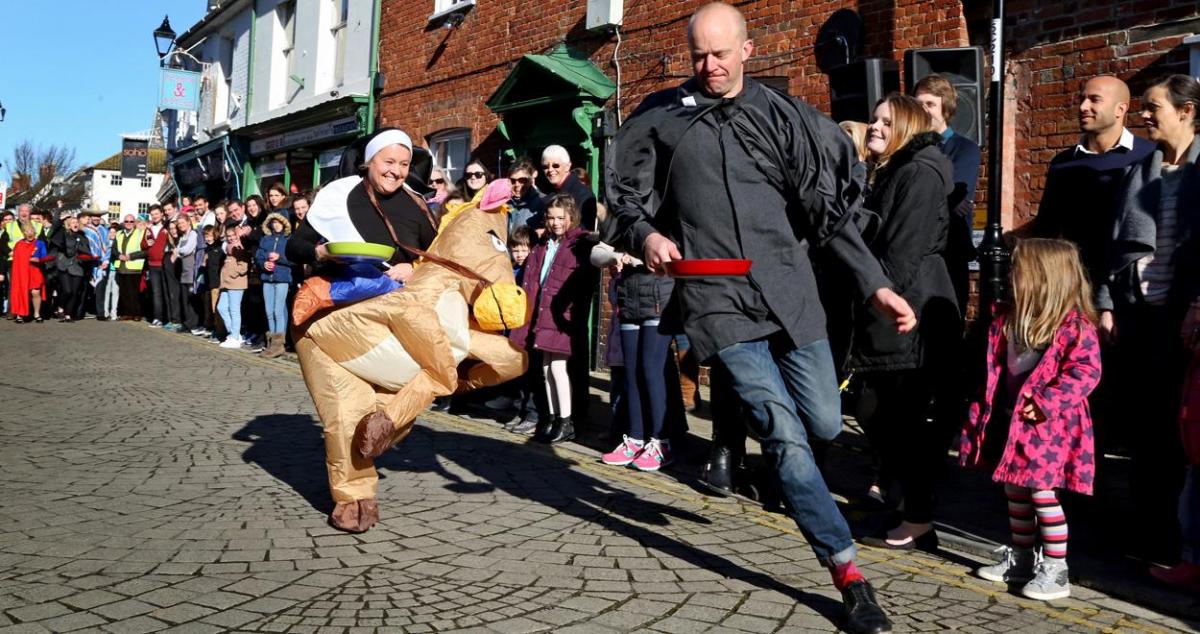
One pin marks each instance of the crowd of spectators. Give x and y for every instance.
(1110, 266)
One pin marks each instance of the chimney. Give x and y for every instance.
(20, 183)
(46, 173)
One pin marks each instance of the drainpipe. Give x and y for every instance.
(374, 71)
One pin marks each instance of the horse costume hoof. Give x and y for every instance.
(355, 517)
(373, 435)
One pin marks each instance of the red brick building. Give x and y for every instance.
(439, 80)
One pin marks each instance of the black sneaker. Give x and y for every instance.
(863, 614)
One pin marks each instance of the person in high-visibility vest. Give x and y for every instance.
(129, 260)
(12, 228)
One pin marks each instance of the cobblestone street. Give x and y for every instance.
(152, 482)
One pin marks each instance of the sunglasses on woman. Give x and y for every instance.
(551, 166)
(475, 174)
(437, 181)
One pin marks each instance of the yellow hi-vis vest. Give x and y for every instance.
(127, 244)
(12, 232)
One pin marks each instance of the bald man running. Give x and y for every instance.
(724, 167)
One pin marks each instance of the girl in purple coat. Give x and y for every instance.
(561, 281)
(1031, 425)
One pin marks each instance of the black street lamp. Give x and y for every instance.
(2, 111)
(993, 257)
(164, 38)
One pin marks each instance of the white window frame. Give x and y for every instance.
(445, 7)
(114, 206)
(143, 208)
(116, 181)
(340, 10)
(223, 102)
(1193, 44)
(147, 182)
(441, 146)
(283, 90)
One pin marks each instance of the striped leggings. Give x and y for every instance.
(1029, 509)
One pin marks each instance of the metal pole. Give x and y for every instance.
(993, 257)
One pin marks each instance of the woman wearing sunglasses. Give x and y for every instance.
(475, 177)
(439, 181)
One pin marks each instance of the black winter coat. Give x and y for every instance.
(760, 176)
(910, 197)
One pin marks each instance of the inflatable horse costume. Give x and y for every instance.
(374, 365)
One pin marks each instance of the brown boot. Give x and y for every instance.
(274, 348)
(689, 378)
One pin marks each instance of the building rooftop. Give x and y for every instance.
(156, 163)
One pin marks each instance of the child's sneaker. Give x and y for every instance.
(1050, 581)
(653, 457)
(1015, 566)
(624, 454)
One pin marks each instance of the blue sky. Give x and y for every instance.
(81, 72)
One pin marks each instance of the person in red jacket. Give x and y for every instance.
(28, 284)
(559, 280)
(154, 243)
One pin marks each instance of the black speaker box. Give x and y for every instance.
(962, 67)
(855, 88)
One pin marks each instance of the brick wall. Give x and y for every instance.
(439, 78)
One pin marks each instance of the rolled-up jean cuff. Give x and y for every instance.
(844, 556)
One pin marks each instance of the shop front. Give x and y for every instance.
(303, 157)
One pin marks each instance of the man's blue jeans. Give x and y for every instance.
(791, 393)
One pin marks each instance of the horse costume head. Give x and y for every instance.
(472, 246)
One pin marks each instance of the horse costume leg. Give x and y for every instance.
(342, 399)
(499, 361)
(420, 333)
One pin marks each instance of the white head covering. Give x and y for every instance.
(384, 139)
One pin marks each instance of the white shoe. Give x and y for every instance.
(232, 342)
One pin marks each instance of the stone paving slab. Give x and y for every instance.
(156, 483)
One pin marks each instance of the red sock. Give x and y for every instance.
(845, 574)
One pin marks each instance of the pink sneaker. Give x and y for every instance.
(624, 454)
(653, 457)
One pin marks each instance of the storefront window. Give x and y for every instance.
(270, 172)
(300, 171)
(330, 161)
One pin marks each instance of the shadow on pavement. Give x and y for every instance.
(290, 448)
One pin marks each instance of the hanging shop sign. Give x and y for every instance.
(306, 136)
(178, 90)
(134, 153)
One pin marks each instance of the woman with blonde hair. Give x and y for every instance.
(898, 373)
(858, 134)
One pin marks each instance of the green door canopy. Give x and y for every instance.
(561, 74)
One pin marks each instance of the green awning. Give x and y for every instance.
(558, 75)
